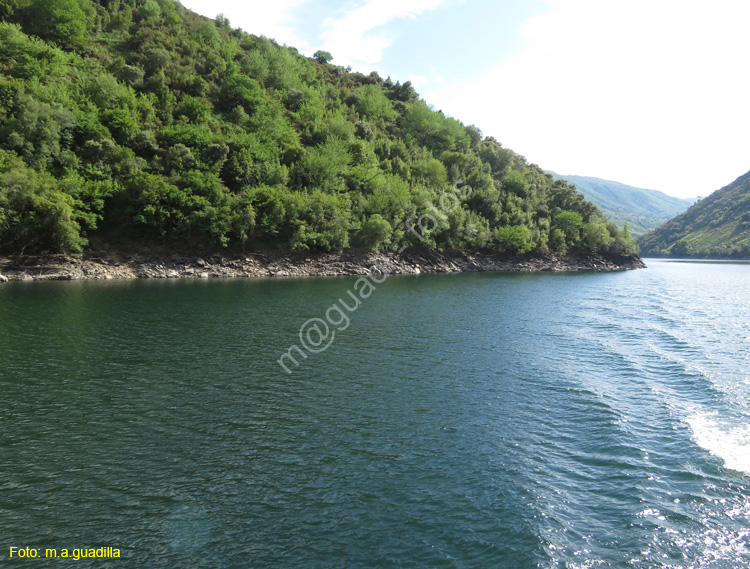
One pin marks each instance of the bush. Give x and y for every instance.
(150, 10)
(374, 234)
(322, 56)
(61, 21)
(514, 239)
(323, 222)
(557, 241)
(596, 237)
(570, 223)
(35, 216)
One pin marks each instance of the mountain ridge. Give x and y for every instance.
(717, 226)
(642, 209)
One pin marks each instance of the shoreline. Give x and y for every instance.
(258, 265)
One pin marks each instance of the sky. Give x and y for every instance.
(651, 93)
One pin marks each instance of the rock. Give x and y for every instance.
(50, 277)
(281, 265)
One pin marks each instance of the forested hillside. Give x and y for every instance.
(716, 227)
(132, 124)
(641, 209)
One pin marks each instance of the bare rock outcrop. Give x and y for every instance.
(78, 267)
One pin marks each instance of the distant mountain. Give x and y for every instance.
(717, 227)
(643, 210)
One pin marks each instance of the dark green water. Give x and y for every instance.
(476, 420)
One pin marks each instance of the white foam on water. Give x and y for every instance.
(731, 443)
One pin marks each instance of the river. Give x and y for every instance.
(474, 420)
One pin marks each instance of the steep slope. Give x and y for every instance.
(716, 227)
(137, 124)
(643, 210)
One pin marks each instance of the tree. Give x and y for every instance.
(372, 103)
(570, 222)
(514, 239)
(177, 130)
(150, 10)
(596, 236)
(375, 232)
(35, 215)
(322, 56)
(325, 165)
(132, 75)
(30, 57)
(557, 241)
(434, 130)
(39, 132)
(61, 21)
(623, 240)
(363, 130)
(8, 8)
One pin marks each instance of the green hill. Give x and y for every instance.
(139, 125)
(716, 227)
(643, 210)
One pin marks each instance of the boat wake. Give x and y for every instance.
(730, 443)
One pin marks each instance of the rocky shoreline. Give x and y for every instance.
(80, 267)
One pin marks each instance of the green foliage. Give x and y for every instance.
(150, 10)
(623, 240)
(60, 21)
(131, 75)
(715, 227)
(322, 56)
(208, 35)
(139, 122)
(375, 233)
(643, 210)
(9, 7)
(35, 215)
(240, 91)
(39, 132)
(373, 104)
(195, 109)
(596, 236)
(557, 241)
(433, 130)
(570, 223)
(24, 57)
(323, 222)
(325, 166)
(516, 239)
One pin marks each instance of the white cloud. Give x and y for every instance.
(350, 38)
(418, 80)
(270, 19)
(421, 81)
(647, 92)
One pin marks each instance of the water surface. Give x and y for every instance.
(475, 420)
